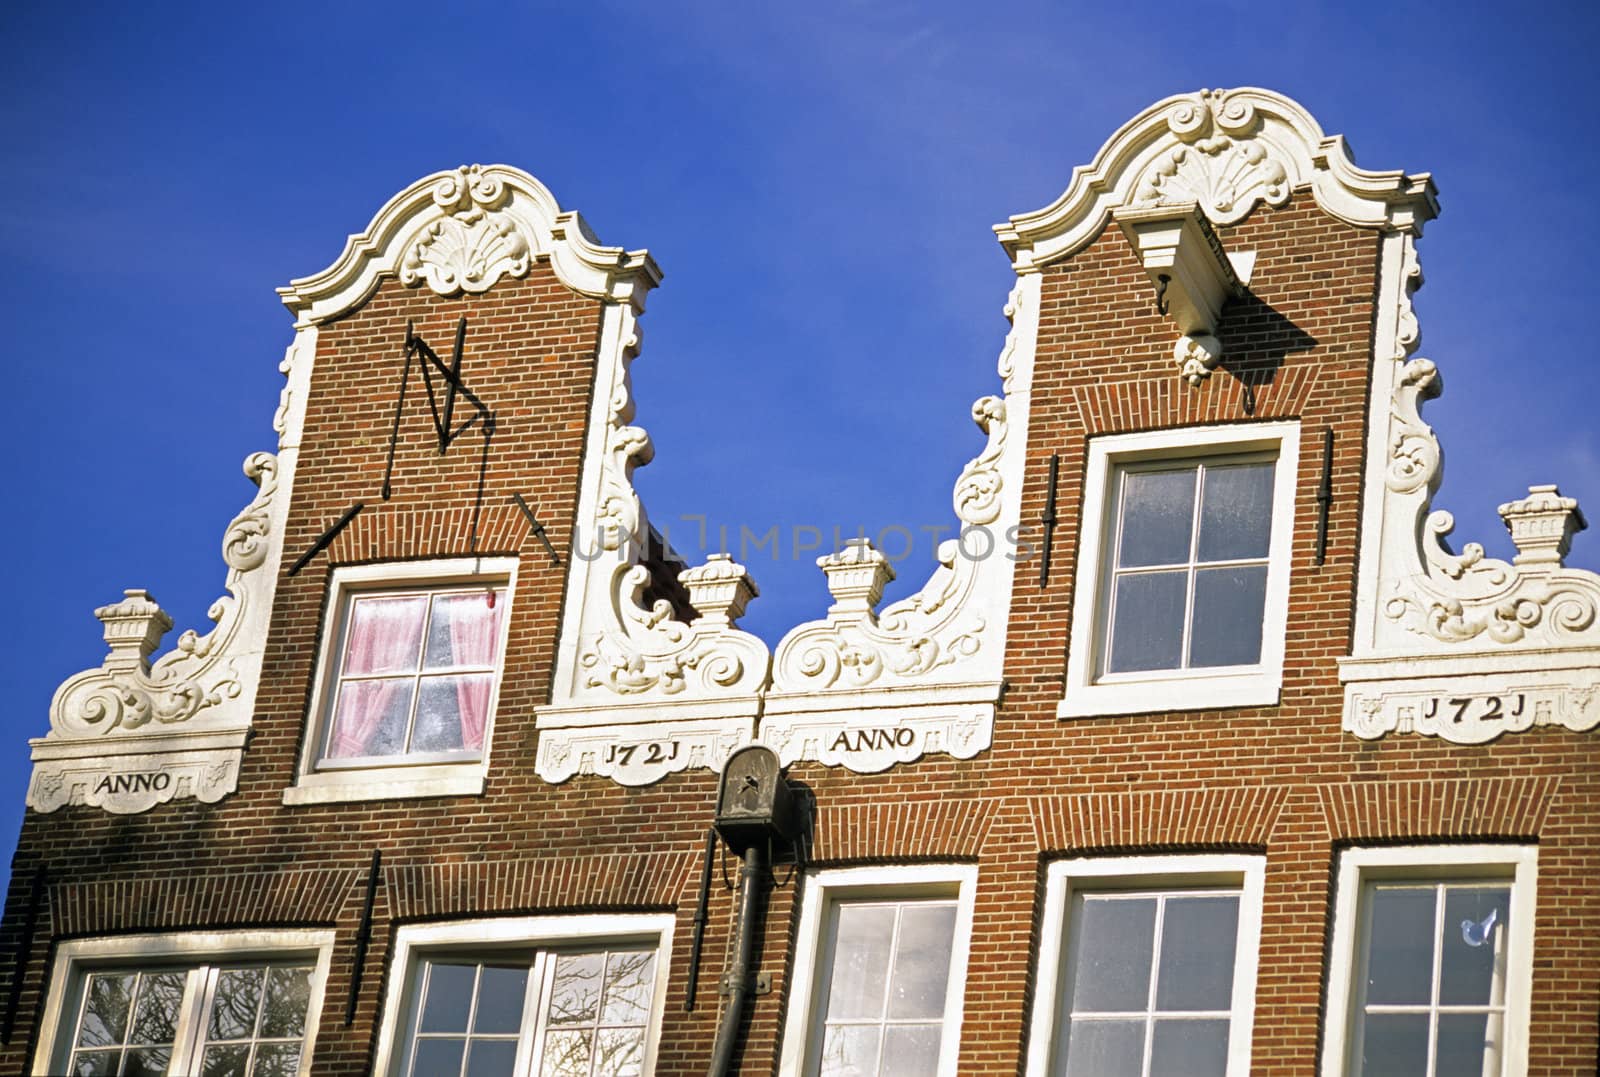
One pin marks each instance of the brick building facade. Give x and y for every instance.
(1199, 752)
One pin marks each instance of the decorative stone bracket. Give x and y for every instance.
(1192, 276)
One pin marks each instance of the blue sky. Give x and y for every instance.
(817, 181)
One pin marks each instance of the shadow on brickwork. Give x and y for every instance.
(1256, 339)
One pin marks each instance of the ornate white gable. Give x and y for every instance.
(1227, 151)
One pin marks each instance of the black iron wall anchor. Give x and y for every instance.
(19, 957)
(1324, 494)
(536, 528)
(363, 937)
(1047, 519)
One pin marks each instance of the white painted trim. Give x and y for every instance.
(1189, 689)
(1357, 866)
(485, 936)
(1064, 877)
(399, 778)
(895, 882)
(1271, 145)
(75, 957)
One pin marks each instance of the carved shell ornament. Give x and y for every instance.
(474, 244)
(1218, 162)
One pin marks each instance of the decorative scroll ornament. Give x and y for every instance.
(127, 693)
(934, 628)
(472, 246)
(1459, 645)
(1218, 162)
(655, 653)
(1454, 598)
(906, 669)
(133, 734)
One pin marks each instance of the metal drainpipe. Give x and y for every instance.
(738, 976)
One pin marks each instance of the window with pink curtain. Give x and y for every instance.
(415, 675)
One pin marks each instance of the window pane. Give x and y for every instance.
(619, 1052)
(575, 995)
(1400, 946)
(1463, 1043)
(922, 961)
(630, 981)
(449, 997)
(155, 1019)
(1189, 1048)
(1235, 512)
(1112, 948)
(105, 1011)
(502, 993)
(147, 1062)
(95, 1063)
(911, 1050)
(1474, 917)
(288, 997)
(463, 630)
(1105, 1048)
(491, 1058)
(1395, 1045)
(1157, 517)
(439, 712)
(370, 719)
(1148, 628)
(1197, 954)
(438, 1058)
(1228, 607)
(566, 1054)
(277, 1060)
(233, 1009)
(384, 635)
(850, 1051)
(226, 1060)
(860, 960)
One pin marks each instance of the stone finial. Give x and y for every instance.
(1542, 525)
(720, 589)
(856, 576)
(133, 628)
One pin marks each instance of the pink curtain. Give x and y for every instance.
(474, 628)
(384, 635)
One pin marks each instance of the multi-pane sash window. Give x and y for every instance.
(554, 1014)
(1433, 978)
(416, 672)
(1187, 580)
(883, 1015)
(234, 1020)
(1149, 983)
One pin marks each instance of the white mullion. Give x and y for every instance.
(1438, 964)
(888, 986)
(255, 1026)
(1194, 554)
(544, 969)
(416, 1020)
(416, 676)
(1114, 563)
(1150, 993)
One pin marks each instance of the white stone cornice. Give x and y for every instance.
(1226, 150)
(463, 230)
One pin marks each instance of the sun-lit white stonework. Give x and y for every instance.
(1457, 645)
(132, 733)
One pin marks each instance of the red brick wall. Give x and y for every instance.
(1283, 781)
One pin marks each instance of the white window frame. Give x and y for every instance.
(76, 959)
(400, 777)
(1089, 695)
(1358, 866)
(802, 1029)
(480, 939)
(1065, 878)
